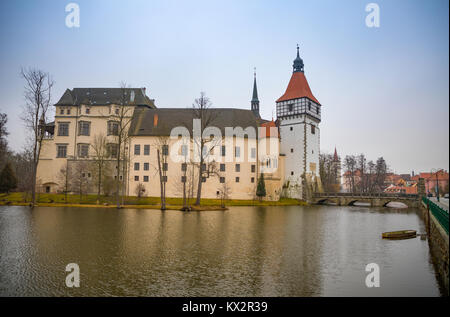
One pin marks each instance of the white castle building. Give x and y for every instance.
(285, 151)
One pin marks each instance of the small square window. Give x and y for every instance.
(145, 178)
(147, 149)
(183, 179)
(136, 178)
(237, 179)
(203, 179)
(146, 166)
(222, 167)
(238, 167)
(222, 180)
(136, 166)
(291, 128)
(252, 179)
(62, 111)
(292, 150)
(253, 168)
(68, 111)
(292, 173)
(88, 111)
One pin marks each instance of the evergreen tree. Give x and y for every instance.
(8, 179)
(261, 188)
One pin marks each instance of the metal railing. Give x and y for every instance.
(439, 213)
(368, 195)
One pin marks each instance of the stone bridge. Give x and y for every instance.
(375, 200)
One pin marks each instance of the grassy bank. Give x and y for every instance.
(59, 200)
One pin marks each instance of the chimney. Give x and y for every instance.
(155, 120)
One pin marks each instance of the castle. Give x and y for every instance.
(111, 125)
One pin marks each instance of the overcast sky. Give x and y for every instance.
(384, 90)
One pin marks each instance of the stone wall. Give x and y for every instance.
(439, 249)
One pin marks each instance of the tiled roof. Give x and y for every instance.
(104, 96)
(297, 88)
(160, 121)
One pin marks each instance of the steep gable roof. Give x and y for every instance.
(297, 88)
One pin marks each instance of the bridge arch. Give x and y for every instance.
(326, 201)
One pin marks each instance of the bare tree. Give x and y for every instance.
(122, 117)
(224, 193)
(362, 167)
(3, 141)
(79, 177)
(350, 171)
(64, 178)
(100, 159)
(204, 145)
(38, 88)
(162, 153)
(139, 190)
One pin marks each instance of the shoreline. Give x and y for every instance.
(57, 200)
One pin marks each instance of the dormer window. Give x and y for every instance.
(62, 111)
(68, 111)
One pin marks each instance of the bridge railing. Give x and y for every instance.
(439, 213)
(367, 195)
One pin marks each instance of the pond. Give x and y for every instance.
(244, 251)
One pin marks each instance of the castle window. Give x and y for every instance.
(136, 178)
(222, 180)
(63, 129)
(136, 166)
(317, 110)
(252, 179)
(237, 179)
(203, 179)
(183, 167)
(238, 167)
(137, 149)
(117, 110)
(165, 150)
(88, 110)
(165, 166)
(222, 167)
(146, 149)
(253, 152)
(145, 178)
(184, 150)
(111, 149)
(222, 151)
(113, 128)
(68, 111)
(84, 128)
(313, 129)
(61, 151)
(164, 179)
(237, 151)
(309, 106)
(291, 107)
(62, 111)
(146, 166)
(253, 168)
(291, 128)
(292, 173)
(183, 179)
(292, 150)
(83, 150)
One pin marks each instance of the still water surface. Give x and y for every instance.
(245, 251)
